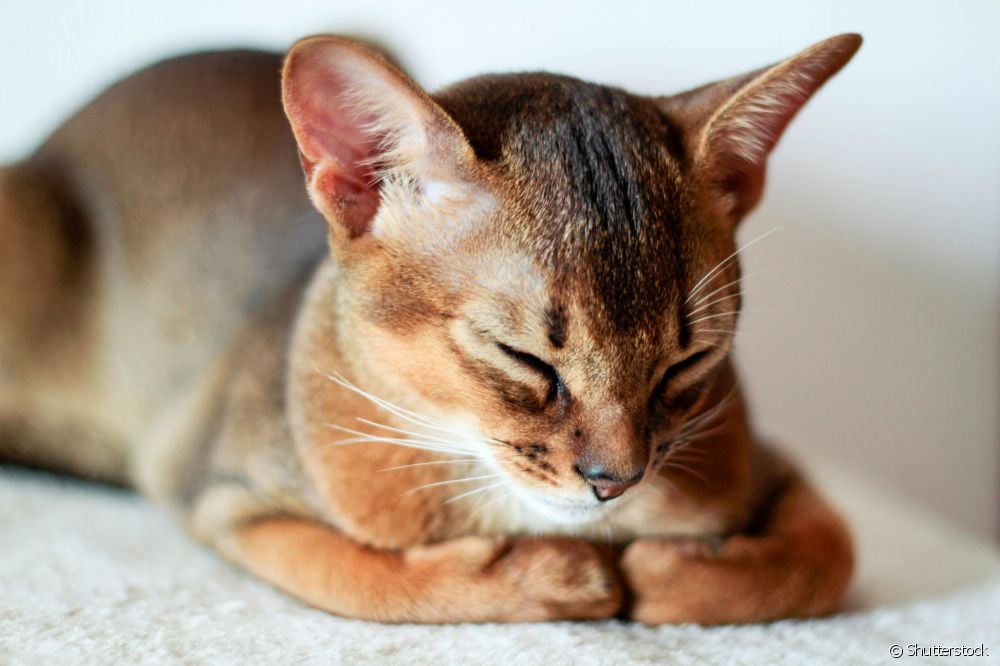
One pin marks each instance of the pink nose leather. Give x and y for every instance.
(607, 485)
(607, 489)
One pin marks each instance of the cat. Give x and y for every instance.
(476, 369)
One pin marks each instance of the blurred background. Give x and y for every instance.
(876, 342)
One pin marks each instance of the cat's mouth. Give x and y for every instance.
(563, 510)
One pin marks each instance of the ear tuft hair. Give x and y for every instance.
(732, 126)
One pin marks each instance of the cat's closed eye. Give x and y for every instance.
(679, 370)
(546, 370)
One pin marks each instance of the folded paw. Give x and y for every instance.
(560, 579)
(700, 581)
(527, 579)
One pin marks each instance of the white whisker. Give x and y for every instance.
(383, 440)
(474, 491)
(401, 412)
(480, 508)
(705, 434)
(448, 482)
(428, 438)
(366, 437)
(687, 448)
(696, 425)
(728, 314)
(713, 316)
(384, 426)
(684, 468)
(717, 301)
(684, 452)
(407, 415)
(683, 443)
(667, 488)
(361, 436)
(687, 453)
(706, 280)
(403, 441)
(705, 297)
(714, 330)
(706, 417)
(469, 461)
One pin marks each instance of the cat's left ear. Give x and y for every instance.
(730, 127)
(359, 121)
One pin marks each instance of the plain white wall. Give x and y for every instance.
(881, 349)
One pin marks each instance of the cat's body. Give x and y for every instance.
(171, 317)
(168, 262)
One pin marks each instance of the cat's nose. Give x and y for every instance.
(607, 485)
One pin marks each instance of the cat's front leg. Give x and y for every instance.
(799, 565)
(470, 579)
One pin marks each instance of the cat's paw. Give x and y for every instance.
(678, 580)
(527, 579)
(560, 579)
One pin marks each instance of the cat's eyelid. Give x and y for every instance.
(682, 367)
(557, 389)
(693, 358)
(526, 358)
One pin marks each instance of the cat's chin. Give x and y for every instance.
(561, 511)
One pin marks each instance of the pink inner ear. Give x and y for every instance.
(338, 147)
(353, 202)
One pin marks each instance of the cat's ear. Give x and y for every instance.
(359, 120)
(730, 127)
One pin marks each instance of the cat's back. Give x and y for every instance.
(185, 152)
(182, 201)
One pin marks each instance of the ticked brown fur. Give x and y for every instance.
(487, 381)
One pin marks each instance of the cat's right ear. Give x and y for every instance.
(730, 127)
(359, 121)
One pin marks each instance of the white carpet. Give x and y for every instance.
(93, 575)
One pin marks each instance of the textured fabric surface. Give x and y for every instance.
(94, 575)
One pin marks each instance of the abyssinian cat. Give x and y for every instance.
(477, 369)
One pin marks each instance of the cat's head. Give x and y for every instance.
(544, 262)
